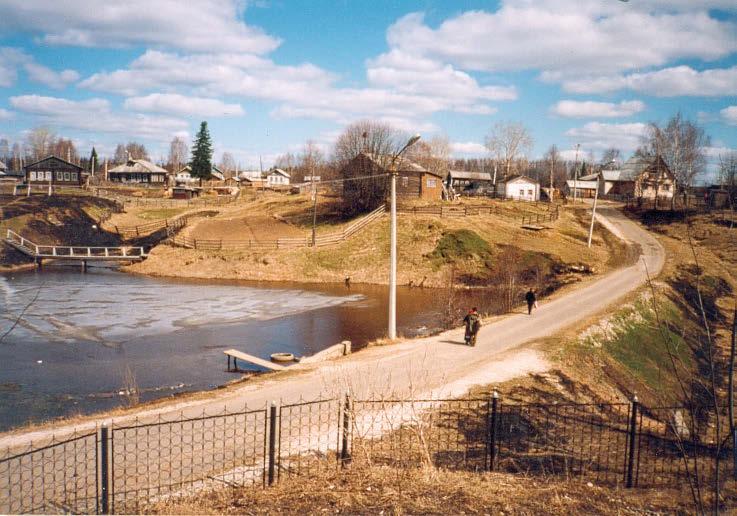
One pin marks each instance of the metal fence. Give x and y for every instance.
(125, 467)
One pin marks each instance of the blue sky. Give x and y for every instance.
(270, 75)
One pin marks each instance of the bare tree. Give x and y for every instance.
(178, 153)
(17, 156)
(681, 144)
(728, 173)
(227, 164)
(611, 157)
(286, 162)
(65, 149)
(136, 150)
(310, 162)
(507, 141)
(433, 154)
(5, 155)
(120, 156)
(553, 159)
(40, 142)
(372, 137)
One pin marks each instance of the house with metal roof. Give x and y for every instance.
(639, 177)
(53, 170)
(136, 171)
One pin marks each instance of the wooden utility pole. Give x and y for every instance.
(575, 175)
(552, 165)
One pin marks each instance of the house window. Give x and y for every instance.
(666, 188)
(66, 176)
(48, 175)
(74, 176)
(431, 183)
(529, 192)
(33, 176)
(405, 181)
(59, 175)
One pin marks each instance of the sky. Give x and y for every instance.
(268, 75)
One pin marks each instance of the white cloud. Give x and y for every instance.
(468, 148)
(49, 77)
(590, 109)
(568, 36)
(181, 105)
(10, 59)
(729, 115)
(597, 135)
(6, 115)
(204, 25)
(668, 82)
(96, 116)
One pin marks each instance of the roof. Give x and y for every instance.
(279, 171)
(214, 170)
(520, 179)
(632, 169)
(400, 163)
(472, 176)
(137, 166)
(55, 158)
(589, 177)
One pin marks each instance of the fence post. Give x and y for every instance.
(104, 507)
(632, 439)
(492, 430)
(345, 452)
(272, 443)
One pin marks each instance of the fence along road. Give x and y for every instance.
(429, 367)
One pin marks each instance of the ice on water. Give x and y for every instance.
(112, 308)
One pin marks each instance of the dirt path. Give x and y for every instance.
(435, 366)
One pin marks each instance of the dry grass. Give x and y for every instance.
(385, 490)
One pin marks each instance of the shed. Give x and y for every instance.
(184, 192)
(136, 171)
(519, 187)
(55, 171)
(465, 180)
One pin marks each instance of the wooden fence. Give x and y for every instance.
(171, 225)
(279, 243)
(470, 211)
(165, 203)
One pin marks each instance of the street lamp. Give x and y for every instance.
(392, 333)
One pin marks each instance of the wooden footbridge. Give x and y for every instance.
(83, 254)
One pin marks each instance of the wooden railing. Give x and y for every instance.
(279, 243)
(172, 225)
(471, 211)
(73, 252)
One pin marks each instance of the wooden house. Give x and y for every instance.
(583, 187)
(639, 178)
(54, 171)
(413, 180)
(277, 177)
(519, 187)
(184, 176)
(136, 171)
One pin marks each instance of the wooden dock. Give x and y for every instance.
(84, 254)
(234, 354)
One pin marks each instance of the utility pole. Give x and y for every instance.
(392, 331)
(593, 213)
(314, 208)
(575, 175)
(552, 164)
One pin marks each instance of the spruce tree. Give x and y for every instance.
(93, 159)
(201, 163)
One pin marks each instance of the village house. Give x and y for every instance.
(413, 180)
(583, 187)
(54, 171)
(460, 180)
(136, 171)
(184, 176)
(640, 178)
(519, 187)
(277, 177)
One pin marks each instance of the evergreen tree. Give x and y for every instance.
(93, 159)
(201, 163)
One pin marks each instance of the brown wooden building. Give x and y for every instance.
(54, 171)
(413, 180)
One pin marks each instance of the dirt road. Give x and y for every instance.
(435, 366)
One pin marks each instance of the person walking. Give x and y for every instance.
(531, 301)
(473, 325)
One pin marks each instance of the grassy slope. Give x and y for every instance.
(364, 257)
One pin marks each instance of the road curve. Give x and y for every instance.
(434, 366)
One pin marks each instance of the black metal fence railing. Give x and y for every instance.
(125, 467)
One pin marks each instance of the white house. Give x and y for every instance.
(184, 176)
(277, 177)
(519, 187)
